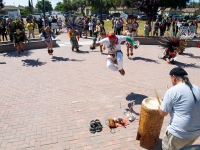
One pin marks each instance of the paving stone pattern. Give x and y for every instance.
(47, 102)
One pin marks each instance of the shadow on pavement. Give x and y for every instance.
(187, 54)
(57, 59)
(138, 98)
(185, 65)
(144, 59)
(32, 62)
(76, 60)
(2, 62)
(15, 54)
(82, 52)
(190, 55)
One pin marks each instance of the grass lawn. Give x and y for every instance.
(108, 27)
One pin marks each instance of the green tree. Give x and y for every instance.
(60, 6)
(48, 6)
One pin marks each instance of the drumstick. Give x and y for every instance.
(157, 97)
(167, 87)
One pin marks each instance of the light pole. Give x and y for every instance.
(43, 2)
(101, 10)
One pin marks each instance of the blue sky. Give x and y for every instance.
(25, 2)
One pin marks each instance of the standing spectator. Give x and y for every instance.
(11, 30)
(156, 27)
(59, 21)
(80, 24)
(135, 26)
(54, 20)
(4, 31)
(40, 24)
(195, 22)
(90, 24)
(168, 24)
(162, 28)
(30, 27)
(86, 27)
(174, 27)
(122, 23)
(118, 26)
(146, 28)
(50, 21)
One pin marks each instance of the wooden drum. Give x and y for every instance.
(150, 123)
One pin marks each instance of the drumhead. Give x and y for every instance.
(151, 103)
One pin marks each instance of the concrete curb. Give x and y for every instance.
(32, 44)
(154, 41)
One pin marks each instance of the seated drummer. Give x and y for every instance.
(182, 101)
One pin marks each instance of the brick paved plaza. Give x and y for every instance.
(47, 102)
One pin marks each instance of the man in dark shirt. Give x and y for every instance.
(40, 24)
(156, 26)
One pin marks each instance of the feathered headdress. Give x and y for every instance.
(73, 22)
(174, 43)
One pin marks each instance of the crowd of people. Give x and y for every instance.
(181, 101)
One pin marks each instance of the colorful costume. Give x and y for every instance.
(73, 39)
(19, 38)
(48, 39)
(173, 46)
(131, 34)
(115, 56)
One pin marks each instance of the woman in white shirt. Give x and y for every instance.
(90, 24)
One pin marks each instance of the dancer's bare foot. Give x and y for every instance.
(122, 72)
(127, 55)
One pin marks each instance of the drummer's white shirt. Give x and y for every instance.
(184, 112)
(107, 43)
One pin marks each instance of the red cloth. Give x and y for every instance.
(125, 123)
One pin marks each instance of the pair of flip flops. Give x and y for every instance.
(95, 126)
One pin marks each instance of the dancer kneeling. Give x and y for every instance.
(115, 57)
(48, 34)
(73, 35)
(18, 40)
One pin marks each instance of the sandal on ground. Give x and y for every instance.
(99, 126)
(92, 127)
(131, 117)
(49, 51)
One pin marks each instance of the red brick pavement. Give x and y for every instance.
(48, 102)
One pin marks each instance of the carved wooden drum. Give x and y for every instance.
(150, 123)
